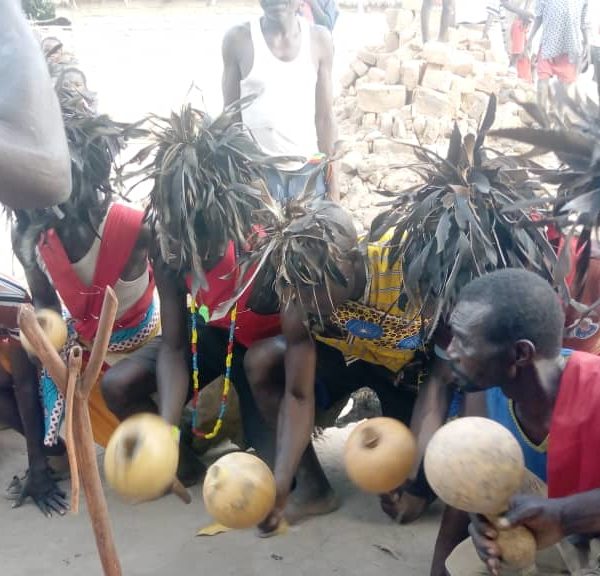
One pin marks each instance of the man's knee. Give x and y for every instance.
(116, 387)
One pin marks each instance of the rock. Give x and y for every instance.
(363, 148)
(486, 84)
(462, 63)
(399, 19)
(478, 55)
(376, 75)
(391, 41)
(378, 98)
(350, 162)
(357, 116)
(352, 91)
(430, 103)
(410, 72)
(348, 78)
(369, 120)
(395, 181)
(361, 82)
(439, 53)
(368, 57)
(399, 128)
(387, 147)
(437, 79)
(427, 129)
(393, 71)
(359, 67)
(373, 164)
(525, 118)
(406, 35)
(462, 85)
(414, 5)
(474, 105)
(356, 191)
(386, 123)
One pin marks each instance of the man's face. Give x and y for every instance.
(321, 301)
(279, 9)
(477, 363)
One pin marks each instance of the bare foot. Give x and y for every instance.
(403, 507)
(302, 504)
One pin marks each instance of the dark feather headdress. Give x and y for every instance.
(458, 226)
(208, 180)
(300, 245)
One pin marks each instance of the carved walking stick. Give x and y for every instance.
(85, 451)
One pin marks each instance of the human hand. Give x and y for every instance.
(403, 507)
(272, 524)
(542, 516)
(42, 489)
(484, 537)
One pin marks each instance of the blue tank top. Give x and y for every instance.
(500, 409)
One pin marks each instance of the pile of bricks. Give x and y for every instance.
(404, 92)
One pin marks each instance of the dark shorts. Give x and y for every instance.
(284, 185)
(335, 380)
(212, 350)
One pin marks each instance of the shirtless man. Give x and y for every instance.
(287, 64)
(34, 159)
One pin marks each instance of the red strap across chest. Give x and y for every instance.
(119, 237)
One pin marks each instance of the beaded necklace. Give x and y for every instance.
(195, 313)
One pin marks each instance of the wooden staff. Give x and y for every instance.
(85, 450)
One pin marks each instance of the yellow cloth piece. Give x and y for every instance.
(213, 530)
(378, 329)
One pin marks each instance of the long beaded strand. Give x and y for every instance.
(196, 377)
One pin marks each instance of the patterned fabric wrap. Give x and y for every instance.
(379, 329)
(121, 341)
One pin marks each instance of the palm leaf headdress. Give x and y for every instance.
(301, 245)
(458, 226)
(208, 180)
(572, 132)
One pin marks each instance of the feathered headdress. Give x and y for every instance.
(458, 226)
(208, 180)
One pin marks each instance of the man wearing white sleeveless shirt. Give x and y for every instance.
(287, 63)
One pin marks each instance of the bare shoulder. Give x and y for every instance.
(237, 40)
(322, 41)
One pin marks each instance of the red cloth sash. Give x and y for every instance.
(250, 327)
(573, 461)
(119, 237)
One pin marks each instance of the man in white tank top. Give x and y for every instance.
(287, 63)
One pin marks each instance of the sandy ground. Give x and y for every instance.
(158, 538)
(144, 59)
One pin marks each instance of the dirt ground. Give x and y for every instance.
(144, 59)
(158, 538)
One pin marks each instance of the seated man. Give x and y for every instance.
(78, 249)
(345, 325)
(197, 239)
(507, 333)
(286, 63)
(20, 407)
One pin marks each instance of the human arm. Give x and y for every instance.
(537, 23)
(324, 116)
(38, 483)
(297, 409)
(523, 14)
(232, 76)
(172, 371)
(35, 169)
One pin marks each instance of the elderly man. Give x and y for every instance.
(507, 334)
(34, 159)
